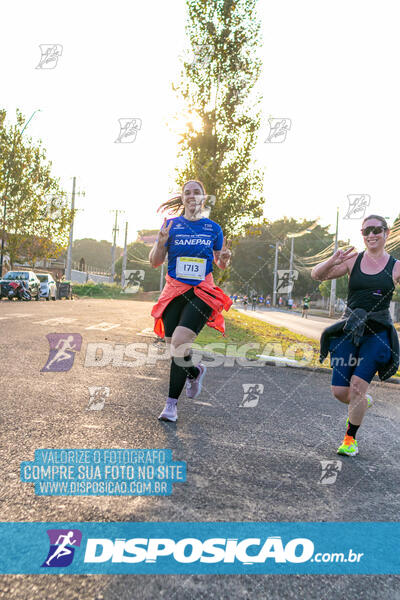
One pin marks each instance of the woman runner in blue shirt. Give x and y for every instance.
(192, 244)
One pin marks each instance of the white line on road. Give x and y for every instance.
(56, 321)
(104, 326)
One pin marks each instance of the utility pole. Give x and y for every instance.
(332, 300)
(115, 230)
(124, 259)
(71, 231)
(291, 268)
(71, 234)
(275, 273)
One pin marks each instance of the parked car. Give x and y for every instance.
(48, 287)
(28, 278)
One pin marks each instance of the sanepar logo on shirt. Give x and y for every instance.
(190, 550)
(193, 242)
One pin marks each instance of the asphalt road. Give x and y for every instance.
(259, 463)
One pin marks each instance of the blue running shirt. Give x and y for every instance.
(194, 240)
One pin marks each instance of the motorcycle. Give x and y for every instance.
(19, 291)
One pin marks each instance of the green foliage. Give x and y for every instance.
(254, 256)
(96, 254)
(396, 251)
(97, 290)
(37, 217)
(342, 284)
(217, 88)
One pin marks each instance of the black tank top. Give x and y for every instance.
(371, 292)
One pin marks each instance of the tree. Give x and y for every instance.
(37, 215)
(394, 239)
(97, 254)
(254, 255)
(342, 284)
(217, 90)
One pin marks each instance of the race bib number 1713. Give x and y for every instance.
(189, 267)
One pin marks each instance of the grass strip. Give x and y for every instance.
(243, 329)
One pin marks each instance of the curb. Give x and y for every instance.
(271, 363)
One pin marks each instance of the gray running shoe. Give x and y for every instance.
(170, 412)
(193, 386)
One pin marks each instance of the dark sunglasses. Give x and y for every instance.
(374, 230)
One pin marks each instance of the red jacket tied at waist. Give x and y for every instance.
(206, 290)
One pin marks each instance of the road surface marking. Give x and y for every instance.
(104, 326)
(56, 321)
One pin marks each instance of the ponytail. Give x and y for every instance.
(174, 206)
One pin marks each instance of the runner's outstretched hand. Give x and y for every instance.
(226, 253)
(163, 234)
(341, 256)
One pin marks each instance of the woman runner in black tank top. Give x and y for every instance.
(355, 360)
(371, 292)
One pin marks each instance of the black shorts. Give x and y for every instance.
(186, 310)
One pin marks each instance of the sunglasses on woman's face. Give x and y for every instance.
(374, 230)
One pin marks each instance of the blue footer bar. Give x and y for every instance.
(200, 548)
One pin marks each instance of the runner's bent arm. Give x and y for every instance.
(336, 266)
(218, 261)
(157, 254)
(159, 250)
(396, 271)
(222, 257)
(325, 271)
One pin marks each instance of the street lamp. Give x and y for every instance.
(6, 190)
(296, 235)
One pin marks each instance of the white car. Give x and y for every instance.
(48, 287)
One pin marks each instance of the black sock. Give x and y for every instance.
(191, 371)
(178, 376)
(352, 430)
